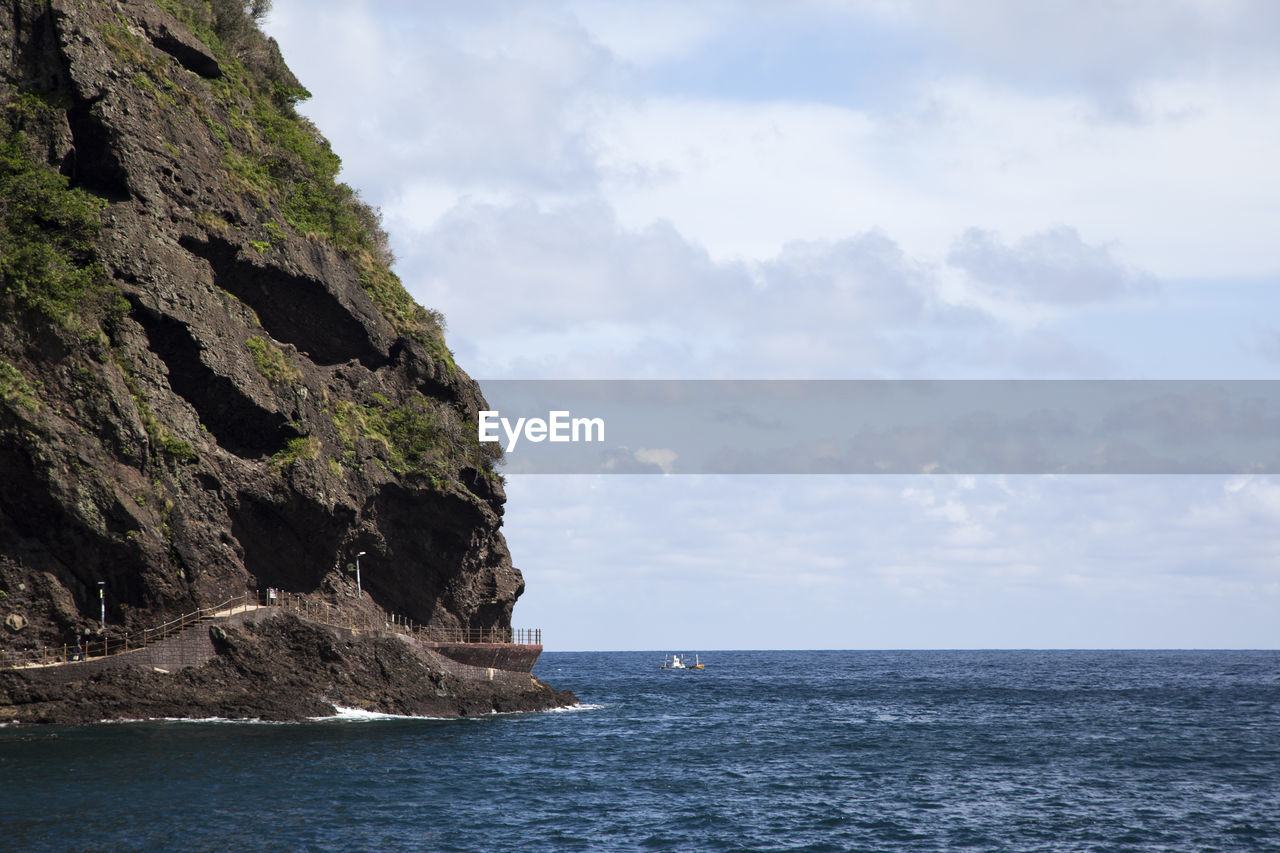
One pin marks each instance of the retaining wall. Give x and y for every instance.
(508, 656)
(520, 658)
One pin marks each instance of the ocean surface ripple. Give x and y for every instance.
(814, 751)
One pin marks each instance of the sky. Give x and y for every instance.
(812, 189)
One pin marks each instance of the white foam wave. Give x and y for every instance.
(252, 721)
(581, 706)
(360, 715)
(232, 721)
(341, 714)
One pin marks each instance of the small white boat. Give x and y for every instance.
(681, 662)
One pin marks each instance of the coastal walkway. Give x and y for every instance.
(185, 640)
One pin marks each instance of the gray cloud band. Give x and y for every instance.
(885, 427)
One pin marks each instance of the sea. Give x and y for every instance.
(761, 750)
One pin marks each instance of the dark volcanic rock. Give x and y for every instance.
(210, 381)
(282, 669)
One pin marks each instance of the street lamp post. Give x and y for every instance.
(102, 600)
(359, 591)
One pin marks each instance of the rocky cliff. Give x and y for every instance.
(210, 379)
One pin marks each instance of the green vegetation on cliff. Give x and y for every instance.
(162, 440)
(305, 447)
(271, 362)
(421, 437)
(279, 159)
(47, 228)
(201, 386)
(15, 388)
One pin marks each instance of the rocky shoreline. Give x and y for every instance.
(281, 669)
(211, 381)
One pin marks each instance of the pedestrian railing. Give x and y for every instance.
(309, 608)
(106, 645)
(517, 636)
(330, 614)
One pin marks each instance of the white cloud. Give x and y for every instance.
(578, 204)
(1053, 266)
(650, 32)
(896, 562)
(663, 457)
(1268, 344)
(497, 96)
(478, 116)
(571, 287)
(743, 179)
(1103, 48)
(513, 99)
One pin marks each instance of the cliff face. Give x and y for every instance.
(210, 381)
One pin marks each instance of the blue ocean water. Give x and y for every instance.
(820, 751)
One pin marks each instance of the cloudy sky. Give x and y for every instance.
(840, 190)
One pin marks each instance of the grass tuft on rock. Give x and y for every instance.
(271, 361)
(278, 158)
(47, 231)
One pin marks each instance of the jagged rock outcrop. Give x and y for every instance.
(210, 381)
(280, 669)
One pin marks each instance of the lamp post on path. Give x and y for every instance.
(359, 591)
